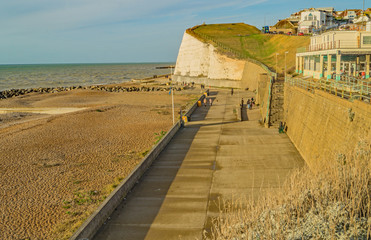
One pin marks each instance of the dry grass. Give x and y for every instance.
(333, 203)
(249, 41)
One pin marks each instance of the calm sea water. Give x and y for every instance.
(59, 75)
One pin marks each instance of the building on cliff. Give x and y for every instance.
(336, 53)
(314, 20)
(285, 26)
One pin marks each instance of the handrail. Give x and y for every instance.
(338, 44)
(245, 57)
(351, 90)
(238, 54)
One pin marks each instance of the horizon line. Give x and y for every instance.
(73, 63)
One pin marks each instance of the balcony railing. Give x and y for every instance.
(324, 46)
(350, 88)
(334, 45)
(338, 45)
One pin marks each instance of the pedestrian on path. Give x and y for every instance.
(205, 102)
(231, 91)
(210, 101)
(181, 118)
(248, 103)
(242, 103)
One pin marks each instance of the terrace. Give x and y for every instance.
(335, 54)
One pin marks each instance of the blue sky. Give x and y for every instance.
(105, 31)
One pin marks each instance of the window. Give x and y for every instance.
(367, 40)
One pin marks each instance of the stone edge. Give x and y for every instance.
(90, 227)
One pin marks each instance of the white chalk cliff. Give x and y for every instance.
(201, 63)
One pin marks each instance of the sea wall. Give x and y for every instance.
(322, 125)
(89, 228)
(200, 62)
(17, 92)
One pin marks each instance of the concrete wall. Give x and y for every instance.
(200, 62)
(96, 220)
(322, 125)
(262, 97)
(209, 82)
(251, 76)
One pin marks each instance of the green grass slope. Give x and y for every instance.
(239, 40)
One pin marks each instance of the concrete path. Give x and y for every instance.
(213, 156)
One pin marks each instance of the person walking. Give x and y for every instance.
(205, 101)
(231, 91)
(181, 118)
(248, 103)
(210, 101)
(242, 103)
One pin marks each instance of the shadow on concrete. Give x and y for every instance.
(244, 116)
(132, 219)
(212, 124)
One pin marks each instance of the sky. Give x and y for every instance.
(125, 31)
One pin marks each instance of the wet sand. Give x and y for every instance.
(55, 169)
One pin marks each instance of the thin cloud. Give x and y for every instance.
(232, 17)
(45, 15)
(67, 14)
(199, 6)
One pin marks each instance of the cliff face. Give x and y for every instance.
(200, 62)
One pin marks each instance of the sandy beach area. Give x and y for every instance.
(61, 154)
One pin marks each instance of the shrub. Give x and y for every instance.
(330, 203)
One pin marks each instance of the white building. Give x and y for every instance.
(361, 19)
(312, 19)
(336, 53)
(351, 14)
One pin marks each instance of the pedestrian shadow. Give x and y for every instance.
(244, 116)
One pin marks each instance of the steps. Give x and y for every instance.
(277, 101)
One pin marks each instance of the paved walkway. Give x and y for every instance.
(213, 156)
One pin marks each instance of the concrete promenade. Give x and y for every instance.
(213, 156)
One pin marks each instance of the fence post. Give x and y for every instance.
(342, 91)
(332, 88)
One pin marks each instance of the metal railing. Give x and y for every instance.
(248, 58)
(235, 53)
(338, 44)
(348, 88)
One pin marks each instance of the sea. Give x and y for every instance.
(65, 75)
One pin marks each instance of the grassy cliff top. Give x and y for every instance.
(239, 40)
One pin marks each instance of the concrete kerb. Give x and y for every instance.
(89, 228)
(194, 106)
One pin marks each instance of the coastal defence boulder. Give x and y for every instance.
(200, 62)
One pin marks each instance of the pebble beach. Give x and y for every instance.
(57, 167)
